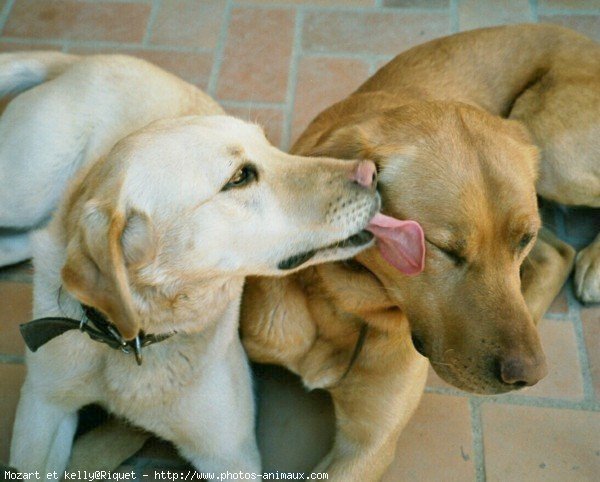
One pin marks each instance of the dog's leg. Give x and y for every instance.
(563, 118)
(223, 438)
(43, 434)
(587, 273)
(233, 459)
(220, 440)
(211, 423)
(545, 271)
(369, 419)
(14, 247)
(107, 446)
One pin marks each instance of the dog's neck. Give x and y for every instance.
(217, 299)
(162, 313)
(356, 290)
(187, 308)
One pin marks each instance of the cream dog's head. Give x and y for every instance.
(198, 201)
(468, 178)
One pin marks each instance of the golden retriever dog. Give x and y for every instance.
(152, 244)
(69, 111)
(465, 131)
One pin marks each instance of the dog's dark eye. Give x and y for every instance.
(525, 240)
(243, 176)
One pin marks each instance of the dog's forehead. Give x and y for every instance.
(455, 188)
(180, 164)
(207, 130)
(190, 143)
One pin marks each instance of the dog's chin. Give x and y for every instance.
(342, 249)
(468, 381)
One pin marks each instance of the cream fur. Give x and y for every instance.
(152, 235)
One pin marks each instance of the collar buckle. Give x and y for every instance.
(38, 332)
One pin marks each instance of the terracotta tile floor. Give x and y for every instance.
(280, 62)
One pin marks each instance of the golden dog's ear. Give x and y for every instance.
(353, 141)
(519, 132)
(95, 271)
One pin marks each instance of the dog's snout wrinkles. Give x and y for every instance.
(365, 174)
(522, 371)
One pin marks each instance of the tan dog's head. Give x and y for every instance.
(157, 230)
(468, 178)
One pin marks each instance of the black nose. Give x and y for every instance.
(522, 371)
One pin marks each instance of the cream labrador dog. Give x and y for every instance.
(153, 242)
(74, 109)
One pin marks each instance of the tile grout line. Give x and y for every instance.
(342, 8)
(574, 312)
(366, 57)
(242, 104)
(290, 97)
(12, 359)
(575, 315)
(478, 441)
(524, 400)
(6, 13)
(219, 51)
(101, 44)
(23, 278)
(142, 2)
(533, 7)
(454, 18)
(565, 317)
(569, 12)
(546, 402)
(34, 41)
(156, 6)
(372, 68)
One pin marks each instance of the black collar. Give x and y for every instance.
(360, 341)
(38, 332)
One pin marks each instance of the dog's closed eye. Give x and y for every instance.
(525, 240)
(454, 256)
(242, 177)
(451, 253)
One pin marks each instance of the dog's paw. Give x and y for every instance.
(587, 274)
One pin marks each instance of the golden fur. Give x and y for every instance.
(452, 125)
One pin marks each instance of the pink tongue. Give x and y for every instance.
(401, 243)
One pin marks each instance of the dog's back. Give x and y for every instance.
(72, 111)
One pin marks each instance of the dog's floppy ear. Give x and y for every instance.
(350, 141)
(519, 132)
(95, 272)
